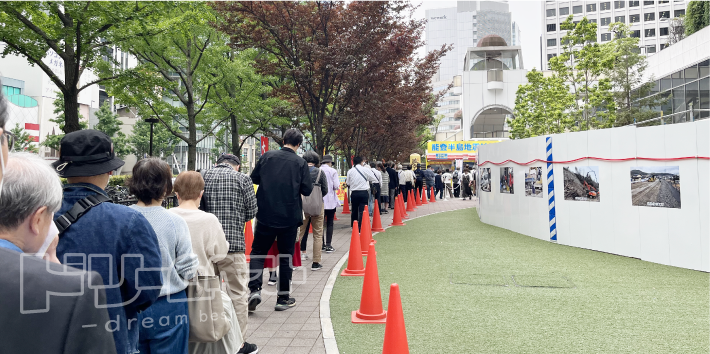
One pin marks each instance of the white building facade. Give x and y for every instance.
(648, 19)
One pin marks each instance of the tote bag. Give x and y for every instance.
(313, 204)
(204, 300)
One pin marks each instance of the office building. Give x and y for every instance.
(649, 21)
(515, 39)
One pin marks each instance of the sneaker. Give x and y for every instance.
(316, 266)
(273, 278)
(254, 300)
(248, 348)
(303, 256)
(329, 249)
(282, 305)
(323, 248)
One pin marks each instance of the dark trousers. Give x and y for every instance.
(440, 192)
(428, 191)
(419, 186)
(403, 191)
(329, 217)
(264, 237)
(358, 201)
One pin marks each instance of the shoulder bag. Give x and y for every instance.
(313, 204)
(207, 321)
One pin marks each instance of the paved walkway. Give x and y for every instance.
(298, 330)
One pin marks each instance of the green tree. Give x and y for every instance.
(581, 65)
(631, 92)
(163, 141)
(81, 33)
(542, 106)
(53, 141)
(111, 126)
(24, 140)
(697, 16)
(181, 71)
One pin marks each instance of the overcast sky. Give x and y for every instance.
(525, 13)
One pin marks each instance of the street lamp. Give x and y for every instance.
(151, 121)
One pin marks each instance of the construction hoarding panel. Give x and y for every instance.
(581, 183)
(655, 186)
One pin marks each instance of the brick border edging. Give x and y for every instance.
(326, 324)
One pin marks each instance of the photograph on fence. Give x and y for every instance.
(485, 179)
(506, 180)
(582, 183)
(533, 182)
(655, 186)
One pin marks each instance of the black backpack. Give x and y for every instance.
(203, 200)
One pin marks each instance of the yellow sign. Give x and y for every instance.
(457, 147)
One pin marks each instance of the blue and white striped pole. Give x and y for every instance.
(551, 191)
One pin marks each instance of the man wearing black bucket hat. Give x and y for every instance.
(113, 240)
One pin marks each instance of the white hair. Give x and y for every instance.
(29, 184)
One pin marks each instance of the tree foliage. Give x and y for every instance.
(542, 106)
(79, 32)
(52, 141)
(24, 141)
(697, 16)
(163, 141)
(111, 126)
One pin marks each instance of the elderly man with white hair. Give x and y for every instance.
(32, 320)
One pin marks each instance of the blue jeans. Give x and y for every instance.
(165, 326)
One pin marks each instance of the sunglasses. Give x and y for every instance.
(6, 135)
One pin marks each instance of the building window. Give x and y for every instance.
(651, 32)
(606, 21)
(619, 4)
(663, 31)
(593, 20)
(551, 12)
(564, 11)
(634, 18)
(664, 46)
(664, 15)
(636, 34)
(606, 37)
(663, 2)
(621, 19)
(551, 27)
(634, 3)
(605, 6)
(577, 9)
(678, 13)
(650, 49)
(648, 3)
(550, 56)
(649, 16)
(551, 42)
(591, 7)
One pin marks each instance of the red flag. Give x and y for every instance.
(264, 144)
(30, 126)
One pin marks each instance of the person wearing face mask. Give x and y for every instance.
(32, 321)
(359, 180)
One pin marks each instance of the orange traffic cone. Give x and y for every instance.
(416, 197)
(310, 228)
(370, 301)
(376, 222)
(397, 215)
(402, 208)
(355, 267)
(424, 201)
(410, 202)
(248, 239)
(395, 332)
(335, 217)
(432, 196)
(346, 206)
(365, 232)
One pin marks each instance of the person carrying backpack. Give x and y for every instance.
(313, 212)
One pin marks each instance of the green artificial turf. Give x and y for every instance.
(468, 287)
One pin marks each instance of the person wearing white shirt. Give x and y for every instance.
(358, 180)
(446, 177)
(402, 182)
(330, 200)
(377, 185)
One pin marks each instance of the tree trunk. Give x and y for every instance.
(71, 110)
(236, 146)
(191, 155)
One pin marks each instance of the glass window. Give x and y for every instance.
(664, 46)
(705, 93)
(650, 49)
(593, 20)
(692, 95)
(667, 105)
(606, 37)
(605, 6)
(678, 13)
(679, 99)
(551, 27)
(650, 32)
(664, 15)
(550, 56)
(666, 83)
(619, 4)
(551, 12)
(704, 68)
(577, 9)
(621, 19)
(663, 31)
(591, 7)
(564, 11)
(656, 87)
(606, 21)
(9, 90)
(647, 3)
(551, 42)
(663, 1)
(634, 18)
(636, 34)
(634, 3)
(691, 73)
(649, 16)
(677, 78)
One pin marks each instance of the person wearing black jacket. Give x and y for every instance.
(439, 185)
(419, 184)
(394, 182)
(282, 177)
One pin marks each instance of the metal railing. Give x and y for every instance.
(680, 117)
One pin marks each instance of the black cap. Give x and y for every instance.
(327, 158)
(86, 153)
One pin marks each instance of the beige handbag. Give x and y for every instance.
(207, 319)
